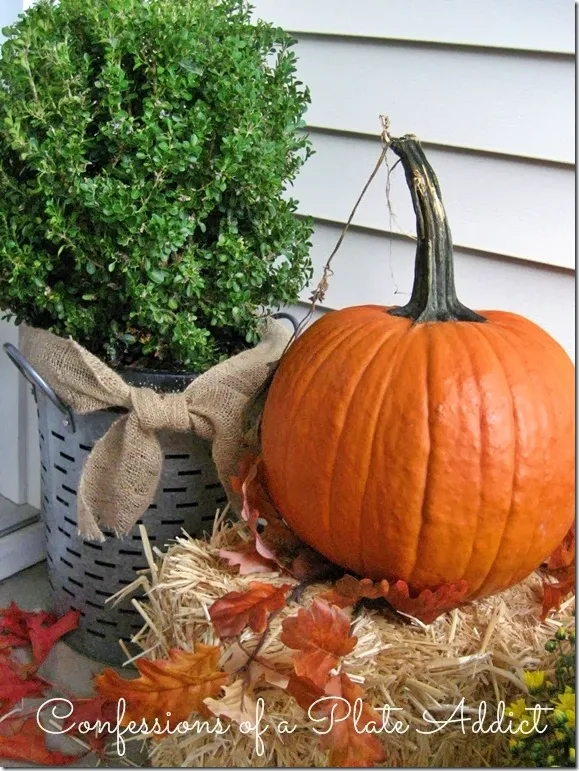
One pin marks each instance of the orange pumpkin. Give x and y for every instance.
(428, 442)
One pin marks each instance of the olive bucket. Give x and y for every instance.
(84, 574)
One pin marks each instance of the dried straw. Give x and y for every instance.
(477, 654)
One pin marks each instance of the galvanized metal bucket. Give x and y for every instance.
(84, 574)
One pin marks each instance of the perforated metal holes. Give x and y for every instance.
(83, 574)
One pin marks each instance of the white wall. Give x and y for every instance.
(488, 86)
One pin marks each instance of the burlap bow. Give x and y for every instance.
(120, 477)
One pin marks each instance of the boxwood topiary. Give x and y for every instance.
(145, 150)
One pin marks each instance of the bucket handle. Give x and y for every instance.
(289, 317)
(36, 381)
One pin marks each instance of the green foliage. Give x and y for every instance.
(550, 741)
(145, 147)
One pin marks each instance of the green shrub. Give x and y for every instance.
(145, 150)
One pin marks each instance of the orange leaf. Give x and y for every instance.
(346, 715)
(248, 559)
(429, 604)
(177, 685)
(233, 612)
(350, 741)
(304, 691)
(564, 554)
(321, 635)
(555, 592)
(349, 591)
(22, 739)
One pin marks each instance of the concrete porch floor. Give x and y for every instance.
(64, 667)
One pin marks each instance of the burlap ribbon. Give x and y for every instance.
(121, 474)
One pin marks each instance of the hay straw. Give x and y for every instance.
(477, 653)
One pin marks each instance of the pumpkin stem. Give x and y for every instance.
(433, 294)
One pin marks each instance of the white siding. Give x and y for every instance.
(500, 205)
(534, 25)
(489, 88)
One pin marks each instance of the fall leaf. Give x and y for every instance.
(237, 658)
(276, 542)
(22, 739)
(40, 629)
(321, 635)
(248, 559)
(304, 691)
(564, 554)
(231, 613)
(14, 630)
(93, 711)
(350, 741)
(44, 633)
(349, 591)
(310, 566)
(561, 567)
(15, 686)
(177, 685)
(555, 592)
(341, 720)
(235, 704)
(429, 605)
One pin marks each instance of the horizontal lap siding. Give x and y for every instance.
(488, 86)
(518, 104)
(370, 269)
(535, 25)
(500, 205)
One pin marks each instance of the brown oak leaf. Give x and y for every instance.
(320, 635)
(236, 610)
(429, 604)
(349, 590)
(177, 685)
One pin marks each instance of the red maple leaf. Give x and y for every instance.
(429, 604)
(14, 685)
(321, 635)
(236, 610)
(22, 739)
(38, 628)
(14, 631)
(98, 712)
(349, 591)
(44, 633)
